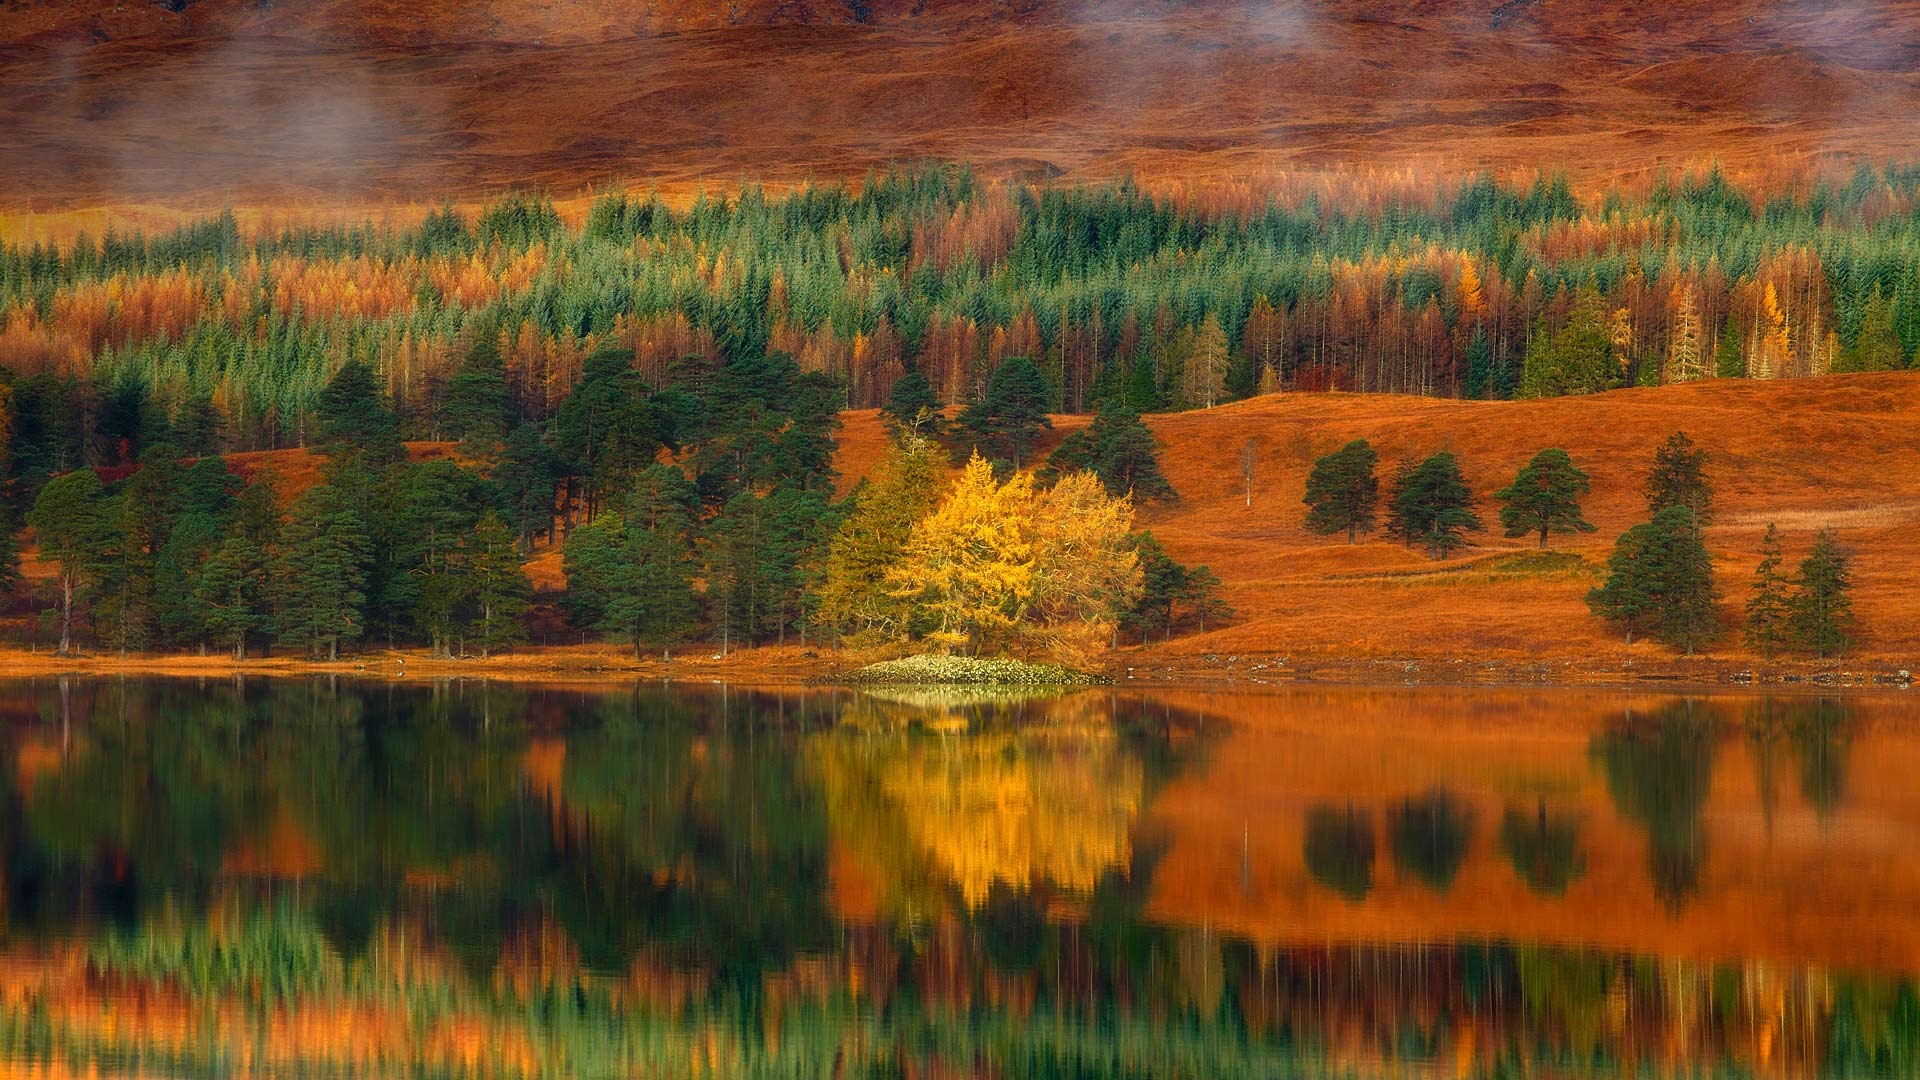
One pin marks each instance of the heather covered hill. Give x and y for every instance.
(1831, 453)
(205, 102)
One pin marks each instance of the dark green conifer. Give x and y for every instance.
(1430, 505)
(1343, 491)
(1545, 497)
(1008, 419)
(1679, 478)
(1822, 608)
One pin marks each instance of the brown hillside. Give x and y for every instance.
(1837, 452)
(371, 101)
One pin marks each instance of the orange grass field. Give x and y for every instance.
(1838, 452)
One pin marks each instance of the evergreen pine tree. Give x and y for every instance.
(1008, 419)
(1822, 607)
(70, 520)
(1729, 362)
(1545, 497)
(1679, 478)
(1431, 505)
(1343, 491)
(912, 406)
(498, 593)
(1171, 593)
(351, 414)
(321, 574)
(474, 409)
(1118, 448)
(631, 573)
(527, 474)
(230, 594)
(1660, 582)
(1767, 607)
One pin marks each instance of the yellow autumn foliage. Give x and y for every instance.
(969, 565)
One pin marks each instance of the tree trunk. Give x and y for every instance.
(1543, 537)
(66, 614)
(1353, 530)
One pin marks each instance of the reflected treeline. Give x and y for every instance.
(1659, 770)
(304, 877)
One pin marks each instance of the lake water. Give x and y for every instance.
(298, 878)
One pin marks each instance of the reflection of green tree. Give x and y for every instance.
(1544, 848)
(1339, 849)
(1430, 834)
(1660, 771)
(1822, 734)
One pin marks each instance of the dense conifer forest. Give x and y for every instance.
(1471, 287)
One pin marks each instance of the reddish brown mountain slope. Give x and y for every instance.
(373, 100)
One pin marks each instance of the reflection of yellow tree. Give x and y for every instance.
(1002, 807)
(1013, 809)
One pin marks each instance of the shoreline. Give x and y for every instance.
(793, 665)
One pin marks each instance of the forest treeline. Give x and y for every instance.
(1470, 287)
(704, 508)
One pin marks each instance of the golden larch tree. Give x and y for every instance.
(1683, 354)
(969, 567)
(1086, 571)
(1203, 378)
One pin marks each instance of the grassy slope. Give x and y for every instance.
(1837, 452)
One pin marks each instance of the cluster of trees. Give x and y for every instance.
(701, 505)
(1464, 287)
(1429, 504)
(1046, 561)
(183, 555)
(1660, 579)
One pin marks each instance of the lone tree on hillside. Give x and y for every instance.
(1679, 478)
(1431, 505)
(1545, 497)
(1009, 417)
(1342, 491)
(1767, 608)
(912, 406)
(1118, 448)
(1660, 582)
(1822, 610)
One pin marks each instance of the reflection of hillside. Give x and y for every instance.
(1661, 828)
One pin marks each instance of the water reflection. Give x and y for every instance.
(302, 877)
(1544, 848)
(1660, 771)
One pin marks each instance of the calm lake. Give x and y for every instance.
(317, 877)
